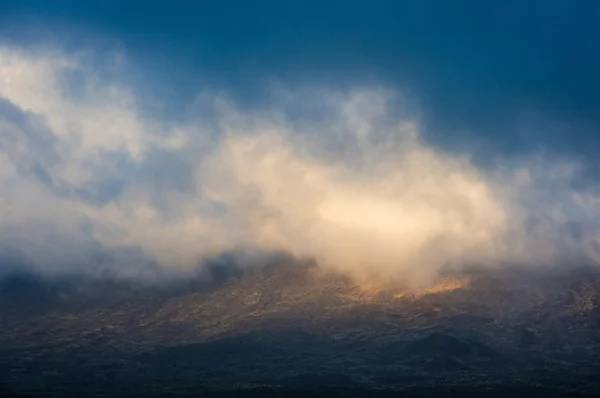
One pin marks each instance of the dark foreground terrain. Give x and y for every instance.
(293, 331)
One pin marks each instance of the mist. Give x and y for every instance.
(92, 181)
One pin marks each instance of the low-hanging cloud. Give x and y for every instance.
(89, 182)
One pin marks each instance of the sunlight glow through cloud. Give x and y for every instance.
(89, 175)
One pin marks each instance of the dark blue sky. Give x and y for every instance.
(480, 69)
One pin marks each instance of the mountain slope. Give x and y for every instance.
(295, 327)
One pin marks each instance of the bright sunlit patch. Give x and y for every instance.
(442, 285)
(378, 290)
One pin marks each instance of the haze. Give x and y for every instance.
(113, 163)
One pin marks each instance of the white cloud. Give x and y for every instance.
(357, 190)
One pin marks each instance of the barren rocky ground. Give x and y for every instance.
(294, 330)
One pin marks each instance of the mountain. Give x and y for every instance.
(294, 329)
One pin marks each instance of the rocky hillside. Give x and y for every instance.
(293, 327)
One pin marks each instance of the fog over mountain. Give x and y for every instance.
(94, 182)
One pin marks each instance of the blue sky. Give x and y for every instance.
(474, 65)
(511, 88)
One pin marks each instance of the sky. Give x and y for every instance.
(386, 139)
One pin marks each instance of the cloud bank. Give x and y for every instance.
(92, 182)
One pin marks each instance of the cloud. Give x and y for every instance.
(92, 183)
(481, 70)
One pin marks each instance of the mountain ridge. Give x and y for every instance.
(295, 326)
